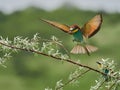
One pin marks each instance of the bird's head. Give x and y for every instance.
(74, 28)
(100, 65)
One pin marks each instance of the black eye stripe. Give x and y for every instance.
(75, 28)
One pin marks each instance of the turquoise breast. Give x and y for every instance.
(78, 36)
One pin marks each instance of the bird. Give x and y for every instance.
(105, 69)
(80, 34)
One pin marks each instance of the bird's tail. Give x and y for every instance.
(83, 49)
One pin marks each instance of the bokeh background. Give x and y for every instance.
(22, 18)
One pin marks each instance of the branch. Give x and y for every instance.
(56, 58)
(73, 79)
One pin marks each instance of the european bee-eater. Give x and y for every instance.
(80, 34)
(105, 70)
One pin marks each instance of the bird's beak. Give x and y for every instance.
(98, 63)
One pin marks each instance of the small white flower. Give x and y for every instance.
(48, 88)
(59, 84)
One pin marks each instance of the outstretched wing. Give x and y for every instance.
(62, 27)
(92, 26)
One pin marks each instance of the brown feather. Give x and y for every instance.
(79, 49)
(62, 27)
(92, 26)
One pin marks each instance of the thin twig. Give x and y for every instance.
(73, 79)
(59, 44)
(100, 85)
(62, 47)
(110, 88)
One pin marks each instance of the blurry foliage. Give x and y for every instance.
(27, 72)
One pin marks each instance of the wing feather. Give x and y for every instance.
(92, 26)
(62, 27)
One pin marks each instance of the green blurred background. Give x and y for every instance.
(28, 72)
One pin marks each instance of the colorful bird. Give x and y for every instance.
(105, 69)
(81, 34)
